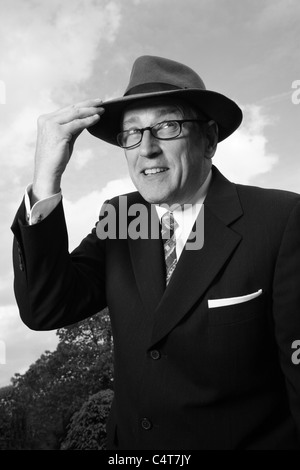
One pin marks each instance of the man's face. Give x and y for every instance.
(178, 167)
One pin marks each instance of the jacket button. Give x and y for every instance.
(155, 354)
(146, 424)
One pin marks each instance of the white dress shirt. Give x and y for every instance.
(41, 209)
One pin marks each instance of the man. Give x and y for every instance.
(206, 330)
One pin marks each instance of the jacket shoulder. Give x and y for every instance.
(270, 199)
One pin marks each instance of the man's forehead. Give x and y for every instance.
(158, 107)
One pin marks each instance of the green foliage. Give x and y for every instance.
(87, 428)
(36, 409)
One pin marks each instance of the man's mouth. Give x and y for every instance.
(153, 171)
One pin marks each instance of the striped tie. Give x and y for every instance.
(168, 227)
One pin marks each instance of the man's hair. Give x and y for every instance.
(189, 111)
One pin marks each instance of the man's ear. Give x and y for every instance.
(212, 133)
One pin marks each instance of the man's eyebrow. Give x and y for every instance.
(130, 120)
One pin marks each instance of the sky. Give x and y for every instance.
(57, 53)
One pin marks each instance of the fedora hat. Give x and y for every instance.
(156, 77)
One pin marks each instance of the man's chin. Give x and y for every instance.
(153, 198)
(149, 196)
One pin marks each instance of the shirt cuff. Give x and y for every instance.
(41, 209)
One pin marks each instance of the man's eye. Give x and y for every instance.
(167, 125)
(132, 131)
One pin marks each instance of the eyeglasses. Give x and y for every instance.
(165, 130)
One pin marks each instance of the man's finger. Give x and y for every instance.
(89, 103)
(79, 125)
(73, 113)
(82, 104)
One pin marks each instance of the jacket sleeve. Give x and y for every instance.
(286, 309)
(52, 287)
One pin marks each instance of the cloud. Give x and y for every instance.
(6, 284)
(44, 64)
(278, 14)
(284, 96)
(244, 155)
(59, 46)
(83, 157)
(139, 2)
(82, 215)
(20, 346)
(17, 144)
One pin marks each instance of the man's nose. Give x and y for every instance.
(149, 146)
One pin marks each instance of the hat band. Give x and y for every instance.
(151, 88)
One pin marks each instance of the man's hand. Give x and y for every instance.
(57, 133)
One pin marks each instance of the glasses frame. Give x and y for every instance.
(149, 128)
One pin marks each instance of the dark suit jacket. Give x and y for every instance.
(186, 376)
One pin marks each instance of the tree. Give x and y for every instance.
(87, 427)
(43, 399)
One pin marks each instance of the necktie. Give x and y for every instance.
(168, 227)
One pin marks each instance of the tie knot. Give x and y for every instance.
(168, 224)
(168, 220)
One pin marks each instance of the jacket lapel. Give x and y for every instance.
(148, 261)
(196, 269)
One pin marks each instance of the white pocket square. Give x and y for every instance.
(214, 303)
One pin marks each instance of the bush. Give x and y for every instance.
(87, 427)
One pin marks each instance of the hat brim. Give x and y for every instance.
(216, 106)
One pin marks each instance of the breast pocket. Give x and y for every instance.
(243, 310)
